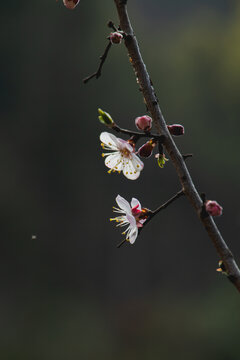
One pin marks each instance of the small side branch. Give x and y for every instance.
(186, 156)
(151, 214)
(138, 135)
(103, 58)
(163, 206)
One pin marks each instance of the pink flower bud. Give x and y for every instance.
(71, 4)
(213, 208)
(115, 37)
(146, 149)
(176, 129)
(143, 123)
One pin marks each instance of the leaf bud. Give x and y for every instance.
(71, 4)
(161, 159)
(105, 118)
(143, 122)
(176, 129)
(213, 208)
(116, 37)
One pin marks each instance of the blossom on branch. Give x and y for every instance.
(71, 4)
(116, 37)
(143, 123)
(176, 129)
(146, 149)
(122, 158)
(132, 215)
(213, 208)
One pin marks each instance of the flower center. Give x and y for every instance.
(126, 153)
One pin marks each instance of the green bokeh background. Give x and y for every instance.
(70, 293)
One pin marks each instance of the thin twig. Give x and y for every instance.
(186, 156)
(151, 214)
(165, 205)
(98, 73)
(162, 207)
(139, 135)
(112, 26)
(178, 161)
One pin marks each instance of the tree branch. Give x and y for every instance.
(98, 73)
(232, 270)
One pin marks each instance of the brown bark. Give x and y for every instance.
(144, 81)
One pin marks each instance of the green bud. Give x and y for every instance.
(105, 118)
(161, 159)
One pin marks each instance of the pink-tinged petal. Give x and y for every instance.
(137, 163)
(129, 170)
(114, 161)
(131, 219)
(133, 235)
(109, 139)
(136, 204)
(123, 204)
(140, 223)
(123, 144)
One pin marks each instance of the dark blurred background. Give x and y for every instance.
(70, 293)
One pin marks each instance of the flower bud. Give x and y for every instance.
(143, 123)
(71, 4)
(115, 37)
(176, 129)
(105, 118)
(213, 208)
(161, 159)
(146, 149)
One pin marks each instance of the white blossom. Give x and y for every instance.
(122, 158)
(129, 216)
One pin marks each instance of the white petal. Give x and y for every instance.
(134, 203)
(131, 219)
(129, 170)
(114, 161)
(123, 204)
(109, 139)
(137, 163)
(133, 235)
